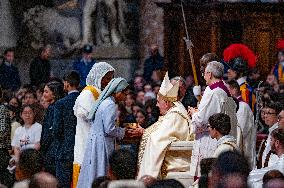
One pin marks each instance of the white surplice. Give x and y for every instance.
(256, 176)
(272, 157)
(225, 143)
(83, 105)
(246, 122)
(213, 101)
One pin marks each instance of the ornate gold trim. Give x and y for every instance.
(144, 140)
(170, 99)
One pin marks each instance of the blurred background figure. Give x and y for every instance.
(84, 64)
(153, 63)
(40, 68)
(278, 69)
(9, 74)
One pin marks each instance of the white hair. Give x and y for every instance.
(216, 68)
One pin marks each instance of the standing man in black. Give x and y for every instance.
(64, 129)
(40, 68)
(9, 74)
(153, 63)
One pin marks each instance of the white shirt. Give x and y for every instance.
(25, 138)
(213, 101)
(248, 130)
(273, 157)
(256, 176)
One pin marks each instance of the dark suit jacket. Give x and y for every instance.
(189, 99)
(64, 127)
(47, 143)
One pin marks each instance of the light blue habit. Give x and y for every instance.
(103, 132)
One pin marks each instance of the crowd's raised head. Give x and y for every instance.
(229, 163)
(123, 164)
(73, 78)
(43, 180)
(272, 174)
(167, 183)
(30, 163)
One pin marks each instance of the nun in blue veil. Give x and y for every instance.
(103, 133)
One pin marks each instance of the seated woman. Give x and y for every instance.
(27, 136)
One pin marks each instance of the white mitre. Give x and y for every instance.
(168, 91)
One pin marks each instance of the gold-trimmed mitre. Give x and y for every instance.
(168, 91)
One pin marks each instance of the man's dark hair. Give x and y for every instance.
(8, 50)
(234, 84)
(221, 122)
(278, 134)
(123, 164)
(205, 167)
(31, 91)
(275, 106)
(30, 162)
(56, 88)
(271, 175)
(73, 78)
(167, 183)
(208, 57)
(231, 162)
(97, 183)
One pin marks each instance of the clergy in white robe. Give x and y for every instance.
(246, 122)
(98, 78)
(277, 147)
(215, 99)
(154, 159)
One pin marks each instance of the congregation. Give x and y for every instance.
(91, 129)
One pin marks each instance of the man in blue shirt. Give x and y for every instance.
(85, 64)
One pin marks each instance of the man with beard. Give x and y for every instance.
(277, 147)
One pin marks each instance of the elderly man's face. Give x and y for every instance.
(162, 105)
(270, 117)
(207, 77)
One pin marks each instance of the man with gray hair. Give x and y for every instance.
(216, 99)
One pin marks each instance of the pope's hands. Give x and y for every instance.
(137, 132)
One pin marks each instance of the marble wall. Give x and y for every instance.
(151, 29)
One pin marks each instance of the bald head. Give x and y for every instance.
(43, 180)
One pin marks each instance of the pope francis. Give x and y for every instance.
(154, 159)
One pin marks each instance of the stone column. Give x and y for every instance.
(151, 29)
(7, 30)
